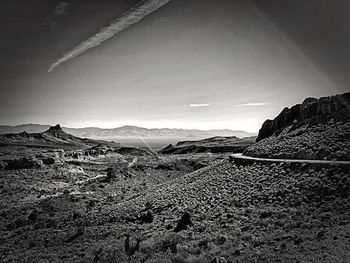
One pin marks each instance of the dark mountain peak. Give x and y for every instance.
(58, 132)
(55, 128)
(25, 135)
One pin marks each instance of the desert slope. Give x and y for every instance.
(315, 129)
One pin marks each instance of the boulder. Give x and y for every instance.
(48, 160)
(183, 223)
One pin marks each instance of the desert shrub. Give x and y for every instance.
(183, 258)
(159, 260)
(168, 242)
(203, 243)
(108, 254)
(221, 239)
(179, 258)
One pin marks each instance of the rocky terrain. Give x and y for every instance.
(173, 208)
(212, 145)
(315, 129)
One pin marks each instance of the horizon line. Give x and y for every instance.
(122, 126)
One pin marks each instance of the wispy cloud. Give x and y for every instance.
(133, 16)
(194, 105)
(252, 104)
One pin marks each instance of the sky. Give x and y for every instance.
(204, 64)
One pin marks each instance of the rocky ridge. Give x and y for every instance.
(316, 129)
(311, 111)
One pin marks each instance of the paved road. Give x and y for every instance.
(319, 162)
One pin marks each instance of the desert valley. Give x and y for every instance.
(67, 198)
(174, 131)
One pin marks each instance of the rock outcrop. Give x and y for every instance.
(316, 129)
(310, 111)
(22, 163)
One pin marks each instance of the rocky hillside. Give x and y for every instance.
(54, 137)
(315, 129)
(213, 145)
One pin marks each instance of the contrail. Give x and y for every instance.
(133, 16)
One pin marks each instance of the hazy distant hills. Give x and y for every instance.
(126, 131)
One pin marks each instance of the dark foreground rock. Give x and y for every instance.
(22, 163)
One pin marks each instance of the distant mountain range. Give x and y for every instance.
(126, 132)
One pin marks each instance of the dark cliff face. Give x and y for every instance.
(311, 110)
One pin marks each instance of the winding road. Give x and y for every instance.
(240, 156)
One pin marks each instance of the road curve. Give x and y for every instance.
(240, 156)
